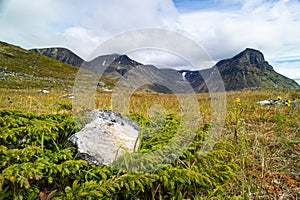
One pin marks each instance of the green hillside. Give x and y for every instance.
(255, 154)
(23, 69)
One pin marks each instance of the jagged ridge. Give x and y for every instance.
(62, 54)
(248, 69)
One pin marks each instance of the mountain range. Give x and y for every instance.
(24, 69)
(58, 67)
(248, 69)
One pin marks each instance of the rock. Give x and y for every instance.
(9, 54)
(270, 102)
(101, 84)
(106, 90)
(69, 96)
(62, 54)
(43, 92)
(265, 102)
(106, 137)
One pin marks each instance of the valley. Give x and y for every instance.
(255, 154)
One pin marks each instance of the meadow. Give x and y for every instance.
(256, 155)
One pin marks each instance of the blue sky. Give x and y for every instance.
(194, 5)
(186, 6)
(222, 27)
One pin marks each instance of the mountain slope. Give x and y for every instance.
(113, 65)
(62, 54)
(136, 75)
(14, 58)
(24, 69)
(247, 69)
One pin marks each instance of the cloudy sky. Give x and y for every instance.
(221, 27)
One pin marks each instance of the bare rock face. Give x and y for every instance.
(106, 137)
(62, 54)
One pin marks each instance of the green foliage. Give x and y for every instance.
(22, 129)
(23, 69)
(64, 106)
(37, 161)
(34, 154)
(256, 157)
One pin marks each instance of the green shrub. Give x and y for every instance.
(36, 160)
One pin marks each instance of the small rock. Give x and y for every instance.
(106, 90)
(106, 137)
(43, 92)
(70, 96)
(269, 102)
(9, 54)
(264, 102)
(101, 84)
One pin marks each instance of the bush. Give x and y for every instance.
(38, 162)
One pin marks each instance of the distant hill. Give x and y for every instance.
(248, 69)
(62, 54)
(135, 75)
(24, 69)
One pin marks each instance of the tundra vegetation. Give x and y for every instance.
(257, 155)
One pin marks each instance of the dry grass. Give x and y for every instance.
(266, 138)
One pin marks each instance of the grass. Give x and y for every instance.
(261, 141)
(16, 59)
(256, 155)
(23, 69)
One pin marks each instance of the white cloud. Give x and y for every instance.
(77, 24)
(81, 40)
(160, 58)
(270, 26)
(289, 69)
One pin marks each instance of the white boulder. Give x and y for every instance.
(264, 102)
(106, 137)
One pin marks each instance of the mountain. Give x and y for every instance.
(20, 68)
(62, 54)
(25, 69)
(248, 69)
(113, 65)
(135, 75)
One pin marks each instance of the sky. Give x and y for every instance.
(222, 28)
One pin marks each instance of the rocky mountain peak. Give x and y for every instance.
(247, 69)
(250, 57)
(62, 54)
(125, 60)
